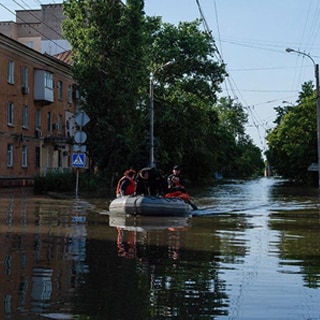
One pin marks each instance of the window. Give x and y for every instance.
(9, 155)
(29, 44)
(68, 129)
(11, 72)
(76, 92)
(24, 157)
(48, 80)
(49, 122)
(25, 75)
(25, 116)
(60, 123)
(38, 119)
(10, 113)
(70, 93)
(37, 152)
(59, 159)
(60, 90)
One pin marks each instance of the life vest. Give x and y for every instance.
(130, 188)
(178, 194)
(118, 193)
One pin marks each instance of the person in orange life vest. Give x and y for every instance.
(176, 187)
(126, 185)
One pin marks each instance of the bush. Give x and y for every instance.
(57, 182)
(66, 182)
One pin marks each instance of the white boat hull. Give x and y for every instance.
(150, 206)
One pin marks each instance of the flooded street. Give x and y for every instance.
(251, 251)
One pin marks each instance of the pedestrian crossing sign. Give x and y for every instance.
(78, 160)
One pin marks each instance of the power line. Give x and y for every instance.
(30, 25)
(206, 28)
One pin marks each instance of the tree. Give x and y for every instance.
(307, 91)
(238, 157)
(115, 47)
(191, 126)
(107, 43)
(293, 142)
(184, 94)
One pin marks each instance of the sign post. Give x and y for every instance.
(80, 137)
(78, 161)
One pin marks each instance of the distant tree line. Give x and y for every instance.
(115, 48)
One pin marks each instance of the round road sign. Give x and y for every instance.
(80, 137)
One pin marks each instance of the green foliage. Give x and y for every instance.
(293, 142)
(115, 48)
(107, 41)
(185, 93)
(238, 157)
(66, 183)
(55, 181)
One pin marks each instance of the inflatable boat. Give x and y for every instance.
(150, 206)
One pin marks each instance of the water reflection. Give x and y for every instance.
(176, 281)
(299, 244)
(250, 252)
(134, 233)
(43, 253)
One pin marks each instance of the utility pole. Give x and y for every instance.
(151, 96)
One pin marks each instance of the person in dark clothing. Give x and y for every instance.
(142, 182)
(157, 182)
(176, 188)
(150, 181)
(176, 181)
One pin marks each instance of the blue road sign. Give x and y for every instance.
(78, 160)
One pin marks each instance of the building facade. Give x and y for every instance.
(37, 105)
(38, 29)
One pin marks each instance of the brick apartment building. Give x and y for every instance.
(37, 106)
(37, 97)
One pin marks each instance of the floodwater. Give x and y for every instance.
(251, 251)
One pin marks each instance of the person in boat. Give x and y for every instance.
(126, 185)
(157, 182)
(150, 181)
(176, 188)
(176, 180)
(142, 182)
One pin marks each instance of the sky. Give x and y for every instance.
(251, 36)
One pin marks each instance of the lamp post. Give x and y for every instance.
(288, 102)
(151, 96)
(316, 73)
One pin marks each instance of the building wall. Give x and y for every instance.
(53, 17)
(38, 29)
(28, 30)
(28, 16)
(9, 28)
(48, 144)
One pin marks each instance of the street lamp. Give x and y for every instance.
(151, 95)
(288, 102)
(316, 73)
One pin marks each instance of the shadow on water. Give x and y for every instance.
(251, 251)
